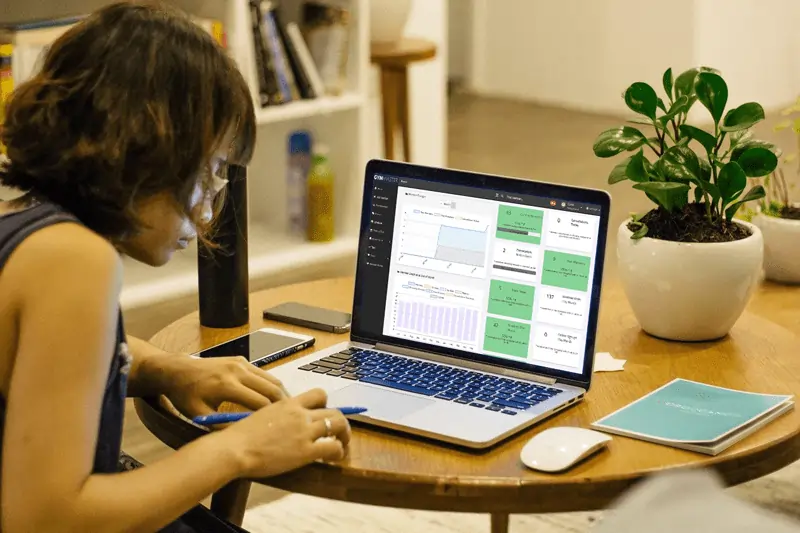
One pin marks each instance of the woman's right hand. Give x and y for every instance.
(289, 434)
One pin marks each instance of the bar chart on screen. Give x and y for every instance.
(443, 240)
(430, 311)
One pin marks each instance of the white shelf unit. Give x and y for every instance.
(339, 121)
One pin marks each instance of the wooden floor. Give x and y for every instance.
(487, 135)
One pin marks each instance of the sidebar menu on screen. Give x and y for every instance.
(378, 249)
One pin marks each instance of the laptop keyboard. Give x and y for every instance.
(484, 391)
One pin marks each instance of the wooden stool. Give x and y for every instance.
(393, 60)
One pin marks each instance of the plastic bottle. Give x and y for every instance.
(297, 171)
(320, 197)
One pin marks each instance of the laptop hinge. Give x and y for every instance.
(461, 363)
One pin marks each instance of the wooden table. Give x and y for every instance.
(389, 470)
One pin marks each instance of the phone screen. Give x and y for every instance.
(254, 346)
(318, 315)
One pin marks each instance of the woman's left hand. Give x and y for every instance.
(198, 386)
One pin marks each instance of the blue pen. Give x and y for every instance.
(224, 418)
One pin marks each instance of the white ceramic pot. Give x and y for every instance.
(781, 248)
(387, 19)
(688, 291)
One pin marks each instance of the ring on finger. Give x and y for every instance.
(328, 427)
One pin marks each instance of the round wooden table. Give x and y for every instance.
(391, 470)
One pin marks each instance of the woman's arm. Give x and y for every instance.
(67, 283)
(198, 386)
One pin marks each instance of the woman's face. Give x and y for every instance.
(166, 227)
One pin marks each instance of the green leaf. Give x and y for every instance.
(684, 83)
(703, 137)
(758, 162)
(641, 232)
(742, 147)
(705, 170)
(740, 136)
(731, 181)
(639, 168)
(712, 91)
(743, 117)
(618, 173)
(661, 105)
(642, 99)
(756, 193)
(640, 120)
(679, 163)
(611, 142)
(698, 194)
(667, 80)
(669, 195)
(681, 105)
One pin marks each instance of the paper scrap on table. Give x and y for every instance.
(604, 362)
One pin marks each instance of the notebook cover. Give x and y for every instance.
(684, 411)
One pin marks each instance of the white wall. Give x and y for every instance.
(755, 45)
(427, 90)
(582, 55)
(459, 39)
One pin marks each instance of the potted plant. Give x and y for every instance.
(779, 221)
(688, 268)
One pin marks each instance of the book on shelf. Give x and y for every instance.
(268, 91)
(31, 40)
(6, 85)
(695, 416)
(309, 80)
(326, 29)
(285, 66)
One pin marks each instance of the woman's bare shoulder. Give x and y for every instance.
(59, 253)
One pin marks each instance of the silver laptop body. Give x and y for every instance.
(475, 306)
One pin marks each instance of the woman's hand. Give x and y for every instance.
(289, 434)
(198, 386)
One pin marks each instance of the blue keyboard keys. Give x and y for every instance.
(467, 387)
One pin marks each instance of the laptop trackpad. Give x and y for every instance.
(382, 403)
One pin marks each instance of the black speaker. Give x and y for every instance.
(222, 273)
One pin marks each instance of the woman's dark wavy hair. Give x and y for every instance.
(131, 102)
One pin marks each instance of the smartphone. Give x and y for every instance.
(310, 317)
(261, 347)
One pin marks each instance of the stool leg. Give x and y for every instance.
(499, 523)
(230, 501)
(402, 101)
(389, 98)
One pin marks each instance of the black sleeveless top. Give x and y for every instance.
(108, 457)
(14, 228)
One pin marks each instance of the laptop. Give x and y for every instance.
(475, 306)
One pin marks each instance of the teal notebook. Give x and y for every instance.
(695, 416)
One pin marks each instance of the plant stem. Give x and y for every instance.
(675, 128)
(654, 148)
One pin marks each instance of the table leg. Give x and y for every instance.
(230, 501)
(389, 98)
(402, 101)
(500, 523)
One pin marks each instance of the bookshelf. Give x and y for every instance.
(338, 121)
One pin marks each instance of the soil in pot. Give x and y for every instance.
(790, 212)
(689, 225)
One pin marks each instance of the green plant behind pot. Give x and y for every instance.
(677, 176)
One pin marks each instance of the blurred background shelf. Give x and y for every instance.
(325, 105)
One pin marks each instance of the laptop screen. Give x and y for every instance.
(505, 275)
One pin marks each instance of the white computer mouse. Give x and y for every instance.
(557, 449)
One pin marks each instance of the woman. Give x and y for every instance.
(120, 144)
